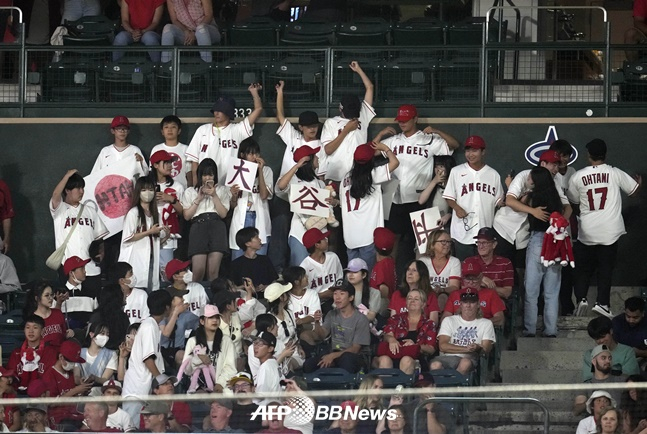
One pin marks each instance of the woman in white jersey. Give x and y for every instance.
(140, 246)
(432, 195)
(206, 205)
(302, 173)
(444, 269)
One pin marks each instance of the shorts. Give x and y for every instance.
(399, 221)
(208, 234)
(451, 362)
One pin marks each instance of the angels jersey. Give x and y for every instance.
(136, 307)
(323, 276)
(336, 165)
(218, 143)
(478, 193)
(197, 298)
(305, 305)
(293, 140)
(111, 154)
(596, 189)
(362, 216)
(179, 164)
(451, 270)
(416, 157)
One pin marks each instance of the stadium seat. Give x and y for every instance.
(303, 78)
(232, 77)
(634, 86)
(12, 334)
(308, 33)
(406, 79)
(193, 83)
(346, 81)
(391, 378)
(330, 379)
(456, 81)
(127, 80)
(71, 79)
(416, 32)
(254, 32)
(364, 32)
(90, 30)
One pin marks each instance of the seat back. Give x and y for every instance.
(330, 379)
(309, 33)
(375, 32)
(417, 32)
(391, 378)
(91, 27)
(254, 32)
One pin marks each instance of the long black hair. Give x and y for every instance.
(144, 182)
(206, 167)
(153, 176)
(201, 338)
(110, 312)
(366, 288)
(544, 192)
(448, 162)
(361, 180)
(307, 172)
(35, 293)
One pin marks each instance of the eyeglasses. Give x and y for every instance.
(445, 242)
(466, 221)
(483, 243)
(121, 129)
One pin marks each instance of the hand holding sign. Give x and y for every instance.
(241, 173)
(424, 223)
(308, 200)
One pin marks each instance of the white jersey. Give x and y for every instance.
(168, 215)
(463, 333)
(336, 165)
(218, 143)
(416, 157)
(136, 306)
(305, 305)
(451, 270)
(596, 189)
(206, 204)
(323, 276)
(268, 379)
(253, 361)
(293, 140)
(89, 228)
(360, 217)
(512, 225)
(138, 253)
(180, 166)
(197, 298)
(111, 154)
(121, 420)
(566, 178)
(252, 202)
(297, 226)
(478, 193)
(138, 378)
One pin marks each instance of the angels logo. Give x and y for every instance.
(534, 151)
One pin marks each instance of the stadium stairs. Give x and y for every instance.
(541, 360)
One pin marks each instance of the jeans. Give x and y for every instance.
(298, 252)
(535, 273)
(367, 253)
(77, 9)
(149, 39)
(588, 260)
(205, 34)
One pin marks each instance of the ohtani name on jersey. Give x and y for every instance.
(323, 280)
(411, 150)
(83, 221)
(478, 186)
(595, 178)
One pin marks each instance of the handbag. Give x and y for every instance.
(55, 260)
(412, 351)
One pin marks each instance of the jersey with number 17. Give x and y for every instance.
(597, 191)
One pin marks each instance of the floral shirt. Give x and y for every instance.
(398, 326)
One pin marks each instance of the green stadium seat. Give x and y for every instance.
(71, 79)
(233, 76)
(127, 80)
(364, 32)
(303, 78)
(330, 379)
(254, 32)
(391, 378)
(415, 32)
(406, 79)
(308, 33)
(193, 83)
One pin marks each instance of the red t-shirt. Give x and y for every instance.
(141, 12)
(500, 270)
(55, 328)
(58, 384)
(9, 409)
(489, 301)
(398, 303)
(6, 204)
(384, 274)
(47, 355)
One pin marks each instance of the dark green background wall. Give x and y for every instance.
(36, 155)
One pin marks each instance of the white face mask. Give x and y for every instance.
(188, 277)
(101, 340)
(147, 196)
(75, 280)
(68, 366)
(133, 282)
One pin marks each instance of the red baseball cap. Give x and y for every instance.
(550, 157)
(406, 113)
(174, 266)
(304, 151)
(120, 121)
(36, 388)
(71, 351)
(475, 142)
(72, 263)
(349, 404)
(383, 239)
(471, 266)
(364, 153)
(161, 156)
(312, 237)
(486, 234)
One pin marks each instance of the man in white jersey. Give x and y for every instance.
(473, 192)
(220, 139)
(171, 127)
(181, 278)
(64, 207)
(146, 362)
(322, 267)
(415, 150)
(135, 299)
(120, 149)
(341, 135)
(596, 191)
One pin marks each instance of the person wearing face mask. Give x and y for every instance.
(134, 300)
(100, 362)
(81, 300)
(181, 279)
(61, 381)
(143, 234)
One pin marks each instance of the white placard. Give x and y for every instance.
(111, 190)
(308, 200)
(242, 173)
(424, 223)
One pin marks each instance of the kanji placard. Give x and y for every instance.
(242, 173)
(308, 200)
(424, 223)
